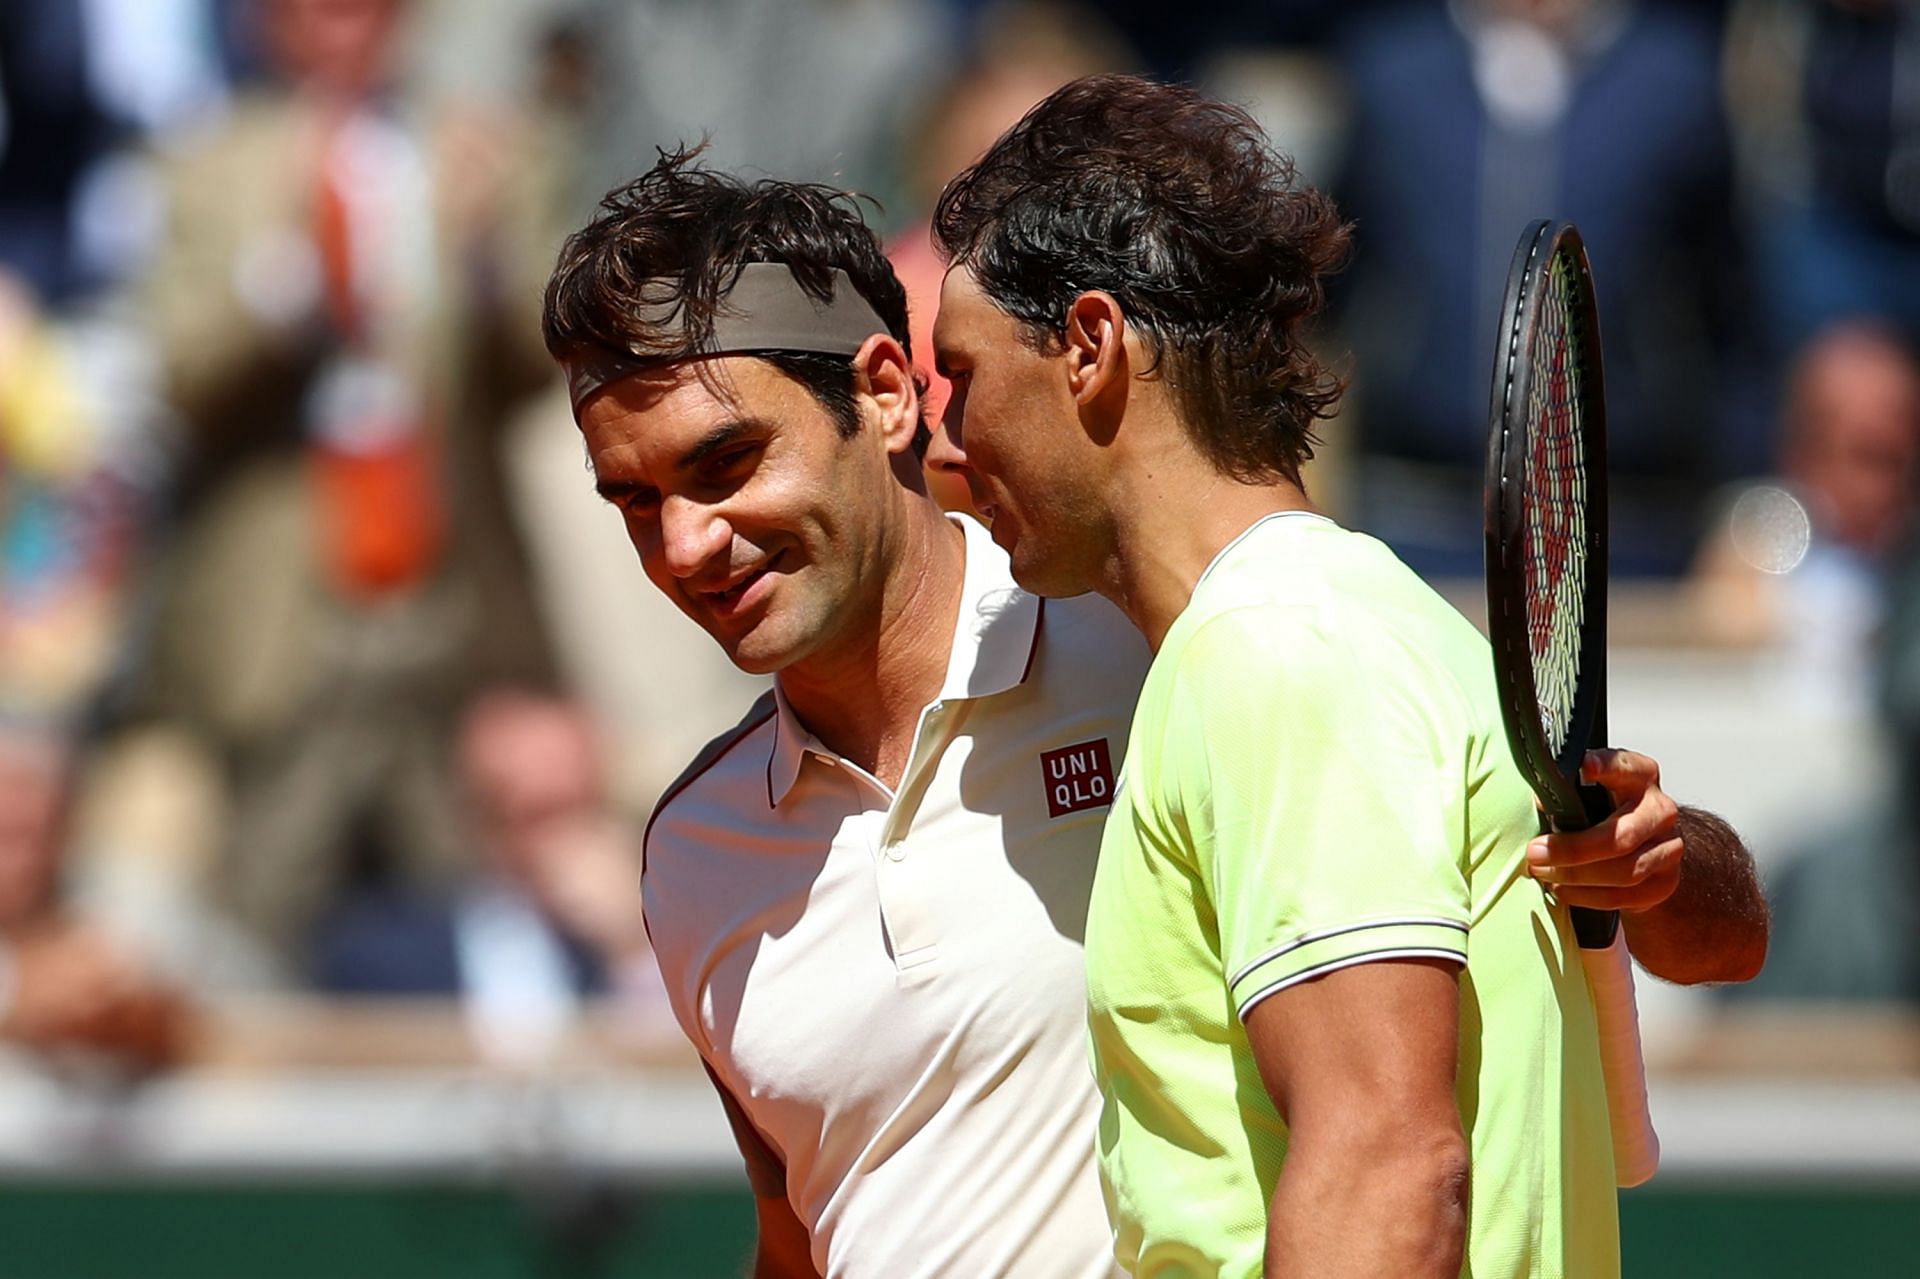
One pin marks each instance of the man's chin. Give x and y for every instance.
(759, 651)
(1036, 577)
(750, 662)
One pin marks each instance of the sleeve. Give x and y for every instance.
(765, 1172)
(1324, 797)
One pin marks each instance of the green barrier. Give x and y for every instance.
(1708, 1230)
(226, 1231)
(568, 1229)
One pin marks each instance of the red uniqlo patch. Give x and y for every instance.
(1077, 777)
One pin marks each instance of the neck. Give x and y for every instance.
(862, 698)
(1171, 519)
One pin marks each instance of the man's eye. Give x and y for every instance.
(723, 465)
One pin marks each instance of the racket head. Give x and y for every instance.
(1546, 518)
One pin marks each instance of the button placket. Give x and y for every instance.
(905, 903)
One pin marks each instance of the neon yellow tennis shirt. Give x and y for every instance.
(1317, 778)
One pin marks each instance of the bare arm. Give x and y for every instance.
(1360, 1064)
(1683, 881)
(784, 1250)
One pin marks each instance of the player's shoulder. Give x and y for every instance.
(1308, 583)
(1335, 620)
(1283, 636)
(718, 775)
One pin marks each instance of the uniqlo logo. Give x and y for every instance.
(1077, 777)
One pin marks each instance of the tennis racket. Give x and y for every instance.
(1546, 513)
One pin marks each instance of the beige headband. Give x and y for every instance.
(766, 310)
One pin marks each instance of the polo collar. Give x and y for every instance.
(791, 742)
(1249, 530)
(995, 639)
(998, 629)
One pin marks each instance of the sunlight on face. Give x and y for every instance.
(1011, 430)
(746, 506)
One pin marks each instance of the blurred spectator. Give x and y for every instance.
(808, 90)
(1470, 120)
(55, 128)
(1846, 905)
(345, 303)
(1802, 567)
(73, 484)
(1842, 604)
(1825, 95)
(80, 85)
(1024, 51)
(1853, 428)
(552, 911)
(68, 991)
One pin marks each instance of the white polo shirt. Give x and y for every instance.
(889, 985)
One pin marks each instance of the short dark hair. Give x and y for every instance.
(1182, 210)
(680, 234)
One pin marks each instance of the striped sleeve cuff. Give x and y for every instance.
(1331, 949)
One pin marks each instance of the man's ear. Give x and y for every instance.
(1096, 354)
(884, 377)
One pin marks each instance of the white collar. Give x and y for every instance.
(994, 641)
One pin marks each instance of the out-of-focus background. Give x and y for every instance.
(332, 702)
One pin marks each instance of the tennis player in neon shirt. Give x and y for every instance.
(1337, 1017)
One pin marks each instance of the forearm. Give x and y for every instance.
(1714, 927)
(1369, 1209)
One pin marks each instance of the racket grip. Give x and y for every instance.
(1596, 929)
(1636, 1146)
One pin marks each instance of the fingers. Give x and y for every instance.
(1644, 813)
(1622, 772)
(1626, 871)
(1639, 897)
(1630, 861)
(1638, 881)
(1653, 819)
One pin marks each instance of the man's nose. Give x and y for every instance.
(944, 454)
(691, 534)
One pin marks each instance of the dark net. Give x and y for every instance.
(1556, 487)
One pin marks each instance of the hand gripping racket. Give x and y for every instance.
(1546, 509)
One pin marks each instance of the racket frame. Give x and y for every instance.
(1555, 777)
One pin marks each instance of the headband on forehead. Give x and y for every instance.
(766, 310)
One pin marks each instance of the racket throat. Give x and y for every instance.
(1593, 929)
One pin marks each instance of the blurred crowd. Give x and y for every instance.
(321, 669)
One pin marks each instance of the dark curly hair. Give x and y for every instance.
(1180, 208)
(679, 235)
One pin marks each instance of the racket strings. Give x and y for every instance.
(1555, 534)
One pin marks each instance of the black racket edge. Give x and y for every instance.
(1566, 803)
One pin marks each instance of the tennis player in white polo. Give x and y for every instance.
(868, 898)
